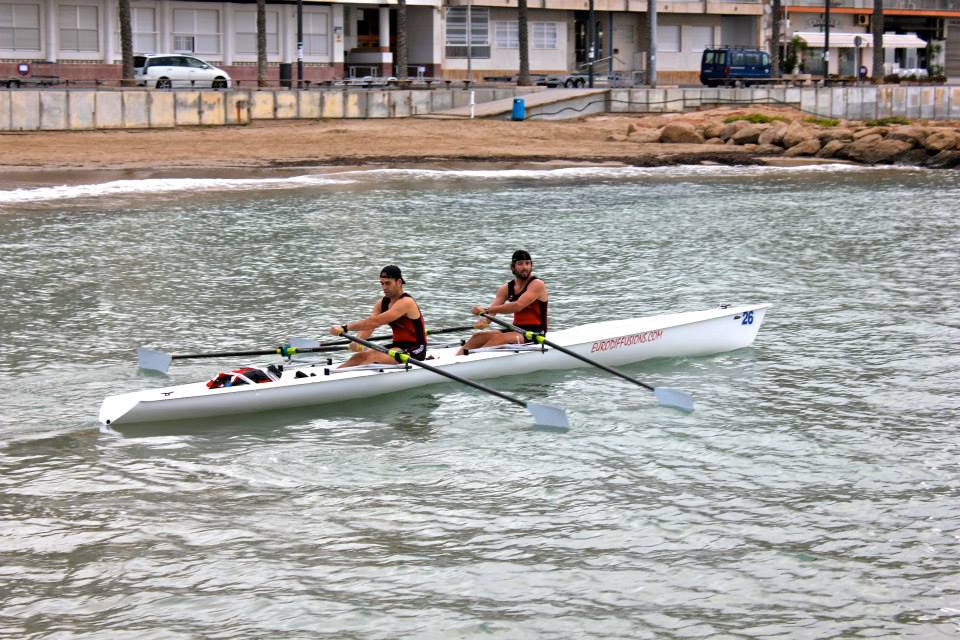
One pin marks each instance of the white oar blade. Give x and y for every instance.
(548, 416)
(153, 360)
(303, 343)
(674, 398)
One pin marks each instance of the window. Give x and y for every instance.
(668, 38)
(247, 32)
(316, 33)
(700, 38)
(506, 35)
(143, 23)
(457, 32)
(20, 27)
(196, 30)
(544, 35)
(78, 28)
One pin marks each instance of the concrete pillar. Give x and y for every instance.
(106, 28)
(288, 33)
(437, 31)
(165, 26)
(229, 30)
(336, 33)
(53, 30)
(384, 29)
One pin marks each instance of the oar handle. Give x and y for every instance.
(539, 339)
(404, 358)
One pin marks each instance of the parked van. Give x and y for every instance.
(734, 66)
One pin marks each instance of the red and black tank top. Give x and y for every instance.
(534, 316)
(407, 334)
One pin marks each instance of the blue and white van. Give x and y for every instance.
(734, 66)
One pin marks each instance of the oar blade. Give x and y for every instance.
(153, 360)
(674, 398)
(547, 415)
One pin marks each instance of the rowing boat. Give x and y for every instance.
(305, 383)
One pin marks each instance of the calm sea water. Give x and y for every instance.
(813, 493)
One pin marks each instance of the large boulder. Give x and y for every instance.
(797, 133)
(942, 140)
(870, 131)
(912, 134)
(834, 133)
(732, 127)
(945, 160)
(769, 149)
(773, 134)
(832, 148)
(680, 133)
(713, 130)
(916, 157)
(714, 141)
(749, 135)
(874, 151)
(807, 147)
(643, 134)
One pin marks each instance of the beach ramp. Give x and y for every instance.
(552, 104)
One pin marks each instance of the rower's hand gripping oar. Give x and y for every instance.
(544, 414)
(667, 397)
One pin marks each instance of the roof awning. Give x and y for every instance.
(841, 40)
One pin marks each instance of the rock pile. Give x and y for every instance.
(922, 145)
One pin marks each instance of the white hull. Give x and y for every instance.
(612, 343)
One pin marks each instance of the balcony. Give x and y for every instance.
(918, 5)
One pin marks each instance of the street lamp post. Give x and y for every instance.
(591, 42)
(300, 44)
(826, 40)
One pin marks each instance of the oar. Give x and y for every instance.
(309, 343)
(544, 414)
(667, 397)
(153, 360)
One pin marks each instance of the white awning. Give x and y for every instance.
(841, 40)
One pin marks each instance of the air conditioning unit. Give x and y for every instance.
(861, 20)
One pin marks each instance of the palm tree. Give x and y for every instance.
(775, 40)
(523, 79)
(401, 72)
(126, 44)
(876, 25)
(261, 43)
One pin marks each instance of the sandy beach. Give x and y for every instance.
(35, 158)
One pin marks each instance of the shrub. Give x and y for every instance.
(823, 122)
(883, 122)
(756, 118)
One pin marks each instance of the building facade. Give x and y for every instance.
(79, 39)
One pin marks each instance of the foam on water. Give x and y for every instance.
(159, 185)
(180, 185)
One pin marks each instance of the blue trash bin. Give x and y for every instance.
(519, 109)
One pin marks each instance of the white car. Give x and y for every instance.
(166, 71)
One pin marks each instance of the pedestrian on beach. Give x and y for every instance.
(397, 309)
(525, 297)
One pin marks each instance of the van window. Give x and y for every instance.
(765, 59)
(708, 57)
(737, 59)
(752, 59)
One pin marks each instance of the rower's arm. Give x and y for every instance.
(498, 299)
(376, 319)
(536, 291)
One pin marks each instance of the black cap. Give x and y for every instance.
(392, 271)
(519, 255)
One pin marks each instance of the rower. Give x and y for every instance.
(525, 297)
(397, 309)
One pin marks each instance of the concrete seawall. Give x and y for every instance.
(85, 109)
